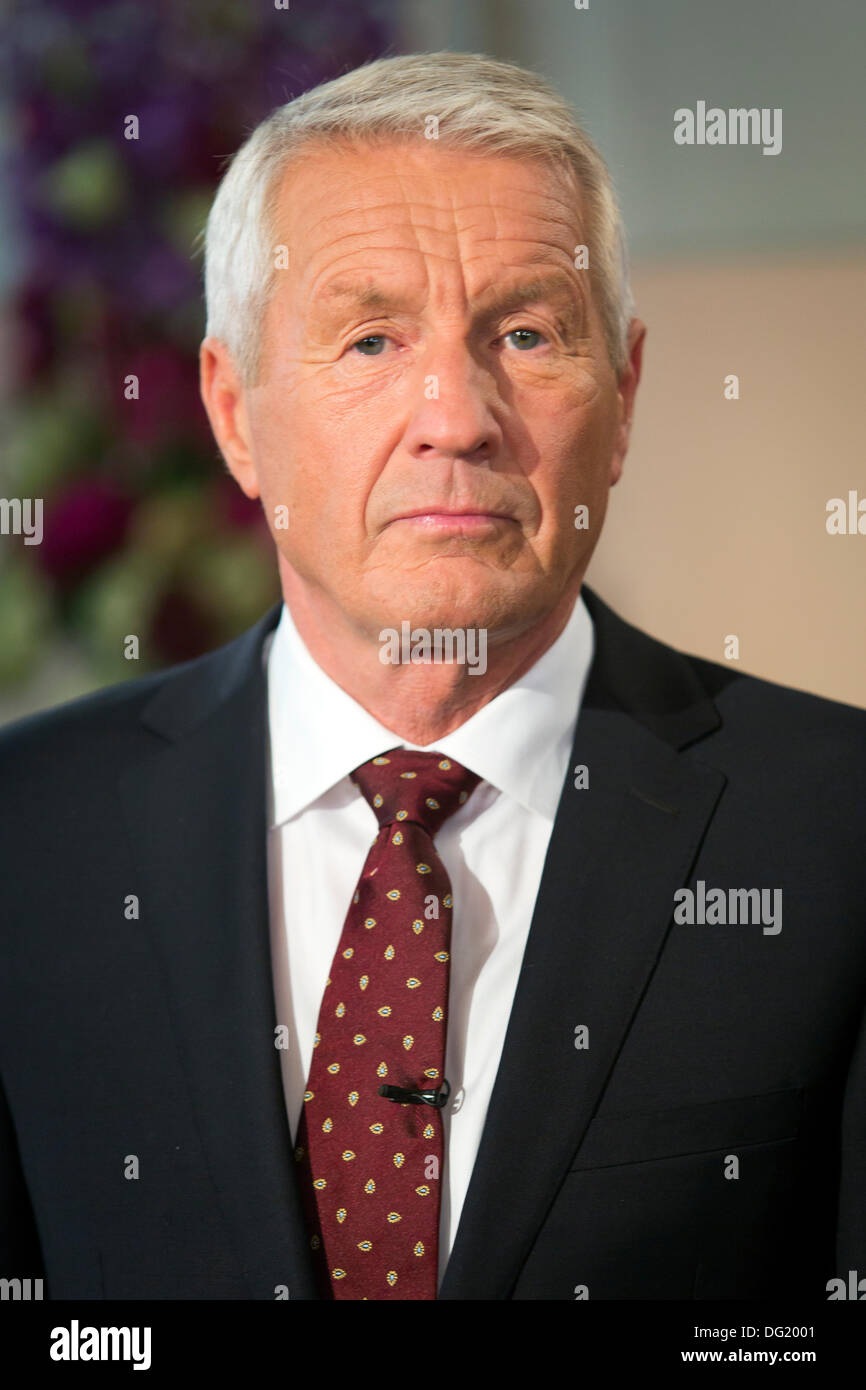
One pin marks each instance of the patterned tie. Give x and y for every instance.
(369, 1164)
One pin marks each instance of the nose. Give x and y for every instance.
(453, 415)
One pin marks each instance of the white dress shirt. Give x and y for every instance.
(320, 829)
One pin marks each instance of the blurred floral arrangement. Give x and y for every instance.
(144, 531)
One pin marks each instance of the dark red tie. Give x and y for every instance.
(370, 1164)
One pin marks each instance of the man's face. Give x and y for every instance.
(436, 396)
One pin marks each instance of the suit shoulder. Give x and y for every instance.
(759, 720)
(783, 735)
(114, 725)
(741, 692)
(97, 719)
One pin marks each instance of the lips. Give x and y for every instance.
(459, 512)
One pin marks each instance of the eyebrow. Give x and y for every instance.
(364, 296)
(553, 287)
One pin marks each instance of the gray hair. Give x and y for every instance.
(480, 104)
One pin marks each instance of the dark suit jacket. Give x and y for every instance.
(605, 1168)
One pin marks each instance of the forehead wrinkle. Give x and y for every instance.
(545, 185)
(562, 210)
(367, 209)
(344, 288)
(549, 254)
(413, 247)
(359, 181)
(459, 221)
(362, 226)
(455, 226)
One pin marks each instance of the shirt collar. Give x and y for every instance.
(519, 742)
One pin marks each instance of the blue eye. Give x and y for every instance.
(375, 340)
(522, 334)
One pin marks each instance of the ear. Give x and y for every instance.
(626, 390)
(225, 402)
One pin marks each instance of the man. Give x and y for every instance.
(442, 936)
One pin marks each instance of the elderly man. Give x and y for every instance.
(443, 936)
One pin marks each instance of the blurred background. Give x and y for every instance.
(742, 264)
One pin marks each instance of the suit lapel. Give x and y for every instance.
(196, 811)
(618, 852)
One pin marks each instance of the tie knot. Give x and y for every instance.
(402, 785)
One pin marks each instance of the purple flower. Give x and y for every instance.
(180, 628)
(169, 405)
(82, 525)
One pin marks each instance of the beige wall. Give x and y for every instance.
(718, 523)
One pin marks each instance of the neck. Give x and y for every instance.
(420, 702)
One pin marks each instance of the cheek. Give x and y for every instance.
(566, 401)
(573, 446)
(307, 460)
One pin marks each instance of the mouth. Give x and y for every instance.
(465, 521)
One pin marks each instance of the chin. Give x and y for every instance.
(495, 609)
